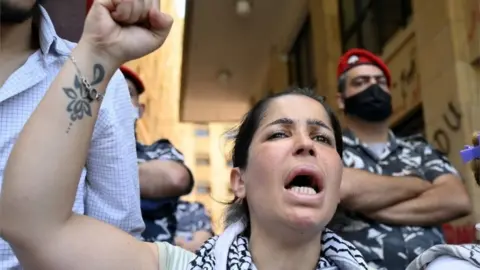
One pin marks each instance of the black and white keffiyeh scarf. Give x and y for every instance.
(336, 253)
(468, 252)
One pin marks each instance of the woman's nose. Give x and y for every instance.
(305, 147)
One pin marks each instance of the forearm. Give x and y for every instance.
(50, 135)
(163, 178)
(433, 207)
(365, 192)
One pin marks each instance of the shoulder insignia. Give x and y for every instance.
(416, 139)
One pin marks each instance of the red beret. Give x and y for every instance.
(355, 57)
(131, 75)
(89, 5)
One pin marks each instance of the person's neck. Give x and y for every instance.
(15, 47)
(368, 132)
(278, 252)
(15, 38)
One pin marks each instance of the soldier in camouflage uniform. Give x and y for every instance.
(162, 173)
(396, 193)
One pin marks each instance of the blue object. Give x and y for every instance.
(470, 152)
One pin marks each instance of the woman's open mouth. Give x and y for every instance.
(303, 184)
(304, 181)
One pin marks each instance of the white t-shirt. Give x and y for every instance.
(173, 257)
(450, 263)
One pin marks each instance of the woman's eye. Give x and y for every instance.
(277, 135)
(322, 139)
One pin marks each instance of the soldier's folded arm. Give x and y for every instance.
(166, 175)
(446, 200)
(377, 192)
(164, 178)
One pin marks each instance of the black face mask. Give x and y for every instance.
(372, 105)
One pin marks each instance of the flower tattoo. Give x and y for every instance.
(79, 104)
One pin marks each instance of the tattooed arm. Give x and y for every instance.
(45, 165)
(112, 173)
(36, 203)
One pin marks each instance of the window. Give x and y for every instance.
(370, 24)
(203, 188)
(201, 131)
(202, 160)
(300, 58)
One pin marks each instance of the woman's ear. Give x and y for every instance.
(237, 183)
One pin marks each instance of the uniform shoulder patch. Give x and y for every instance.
(416, 139)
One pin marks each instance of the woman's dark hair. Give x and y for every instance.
(238, 208)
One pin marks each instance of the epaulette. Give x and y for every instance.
(416, 138)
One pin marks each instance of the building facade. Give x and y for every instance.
(431, 47)
(433, 51)
(209, 158)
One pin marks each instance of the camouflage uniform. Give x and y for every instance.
(386, 246)
(159, 214)
(192, 217)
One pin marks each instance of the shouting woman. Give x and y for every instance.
(286, 175)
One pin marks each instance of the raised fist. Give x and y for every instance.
(123, 30)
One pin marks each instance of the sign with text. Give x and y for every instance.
(405, 79)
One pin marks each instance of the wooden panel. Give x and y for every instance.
(448, 84)
(326, 48)
(472, 25)
(277, 78)
(402, 62)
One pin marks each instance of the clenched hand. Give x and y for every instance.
(123, 30)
